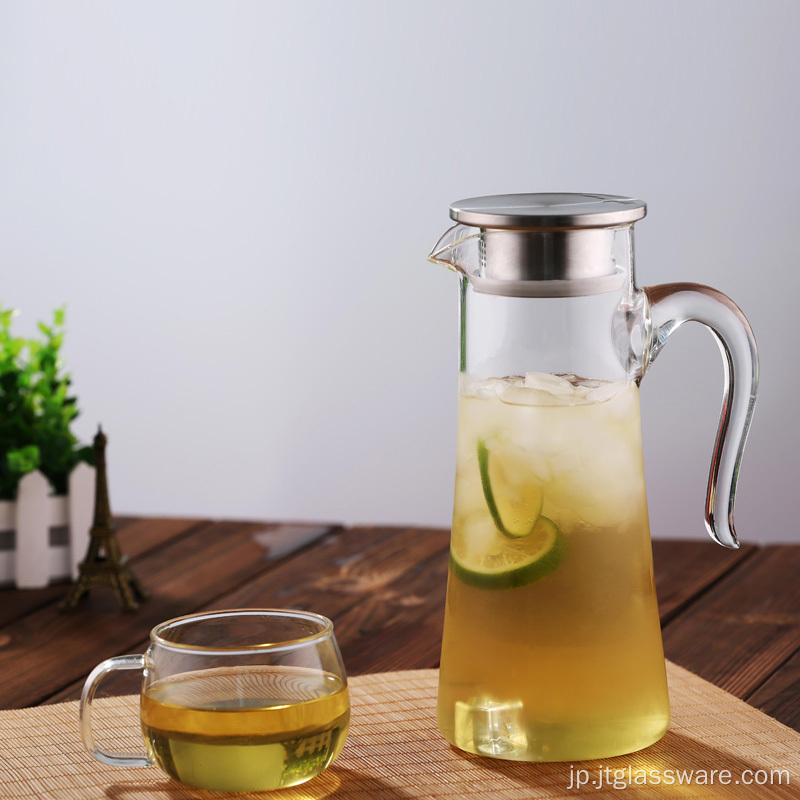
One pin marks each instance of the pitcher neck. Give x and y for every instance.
(590, 336)
(540, 262)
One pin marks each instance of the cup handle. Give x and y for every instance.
(87, 696)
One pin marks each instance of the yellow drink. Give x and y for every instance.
(552, 646)
(245, 728)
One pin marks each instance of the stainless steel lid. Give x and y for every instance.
(548, 211)
(548, 244)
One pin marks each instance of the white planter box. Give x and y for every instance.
(42, 536)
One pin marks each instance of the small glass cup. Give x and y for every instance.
(238, 701)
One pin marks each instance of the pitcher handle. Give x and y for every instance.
(672, 304)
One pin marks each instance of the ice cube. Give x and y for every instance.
(478, 532)
(490, 727)
(478, 387)
(545, 382)
(522, 396)
(604, 392)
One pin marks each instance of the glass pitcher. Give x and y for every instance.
(552, 646)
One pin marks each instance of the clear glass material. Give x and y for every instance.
(552, 646)
(668, 307)
(238, 701)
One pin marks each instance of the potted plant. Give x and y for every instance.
(37, 450)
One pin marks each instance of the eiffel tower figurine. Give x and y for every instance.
(104, 564)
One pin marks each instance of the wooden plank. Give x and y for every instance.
(348, 566)
(369, 568)
(16, 603)
(685, 569)
(779, 696)
(745, 627)
(138, 537)
(45, 651)
(399, 627)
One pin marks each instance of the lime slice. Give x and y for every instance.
(509, 563)
(513, 493)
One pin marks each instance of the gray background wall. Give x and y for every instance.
(236, 201)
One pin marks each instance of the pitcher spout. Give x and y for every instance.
(458, 250)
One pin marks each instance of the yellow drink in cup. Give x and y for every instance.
(236, 728)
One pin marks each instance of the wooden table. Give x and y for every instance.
(732, 617)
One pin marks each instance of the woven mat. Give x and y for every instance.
(394, 752)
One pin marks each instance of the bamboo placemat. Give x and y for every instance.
(394, 752)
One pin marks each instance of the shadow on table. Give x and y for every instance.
(677, 766)
(334, 784)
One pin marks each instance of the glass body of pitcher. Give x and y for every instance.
(552, 646)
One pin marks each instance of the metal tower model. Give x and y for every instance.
(104, 565)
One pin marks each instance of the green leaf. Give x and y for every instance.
(23, 460)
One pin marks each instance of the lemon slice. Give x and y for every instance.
(513, 493)
(504, 563)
